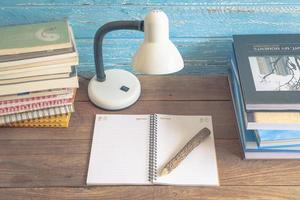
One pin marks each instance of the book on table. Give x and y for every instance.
(31, 58)
(37, 95)
(132, 149)
(34, 114)
(32, 104)
(66, 62)
(265, 84)
(250, 146)
(28, 59)
(278, 138)
(34, 37)
(38, 74)
(34, 78)
(6, 75)
(38, 85)
(262, 120)
(57, 121)
(269, 71)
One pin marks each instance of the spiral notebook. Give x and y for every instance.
(58, 121)
(132, 149)
(47, 112)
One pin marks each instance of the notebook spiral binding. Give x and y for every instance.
(153, 148)
(36, 114)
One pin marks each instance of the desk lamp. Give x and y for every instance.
(116, 89)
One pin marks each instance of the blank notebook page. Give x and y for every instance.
(200, 167)
(120, 150)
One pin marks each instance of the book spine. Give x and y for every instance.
(36, 94)
(45, 125)
(152, 173)
(36, 114)
(34, 106)
(41, 123)
(12, 102)
(51, 121)
(18, 102)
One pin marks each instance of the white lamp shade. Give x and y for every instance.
(157, 54)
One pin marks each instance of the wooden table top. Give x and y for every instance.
(51, 163)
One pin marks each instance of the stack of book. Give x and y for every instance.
(38, 77)
(265, 85)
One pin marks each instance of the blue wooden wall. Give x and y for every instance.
(201, 29)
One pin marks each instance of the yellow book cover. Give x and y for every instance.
(59, 121)
(277, 117)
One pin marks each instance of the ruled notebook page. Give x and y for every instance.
(200, 167)
(120, 150)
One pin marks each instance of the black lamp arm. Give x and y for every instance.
(111, 26)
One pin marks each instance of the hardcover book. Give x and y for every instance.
(273, 120)
(278, 138)
(250, 145)
(269, 71)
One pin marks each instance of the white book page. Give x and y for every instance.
(120, 150)
(200, 166)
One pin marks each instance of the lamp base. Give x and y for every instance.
(120, 90)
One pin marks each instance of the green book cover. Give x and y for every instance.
(29, 37)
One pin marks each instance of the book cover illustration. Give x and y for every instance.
(269, 70)
(248, 137)
(276, 73)
(32, 37)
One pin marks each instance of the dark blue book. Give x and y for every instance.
(269, 71)
(250, 146)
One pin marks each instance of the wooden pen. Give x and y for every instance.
(185, 151)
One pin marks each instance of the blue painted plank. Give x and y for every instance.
(186, 21)
(144, 2)
(200, 2)
(200, 54)
(191, 49)
(45, 2)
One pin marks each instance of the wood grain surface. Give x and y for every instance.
(155, 193)
(45, 163)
